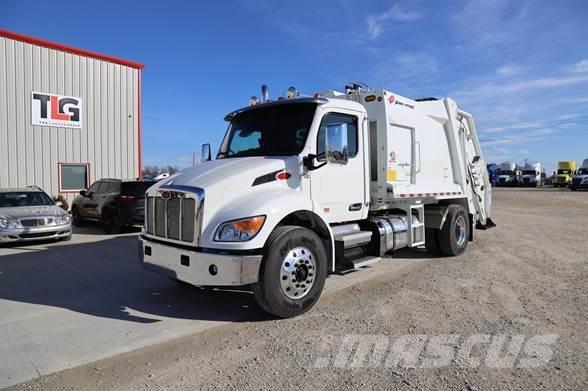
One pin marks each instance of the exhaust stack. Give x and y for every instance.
(264, 93)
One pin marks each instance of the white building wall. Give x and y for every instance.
(109, 137)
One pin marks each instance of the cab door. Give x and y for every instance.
(338, 190)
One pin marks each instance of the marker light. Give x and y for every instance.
(292, 92)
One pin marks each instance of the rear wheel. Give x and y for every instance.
(453, 237)
(111, 222)
(292, 273)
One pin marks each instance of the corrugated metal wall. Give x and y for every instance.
(108, 139)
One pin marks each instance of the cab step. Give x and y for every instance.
(366, 261)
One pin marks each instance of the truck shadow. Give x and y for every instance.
(105, 279)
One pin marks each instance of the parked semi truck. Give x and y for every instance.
(492, 173)
(580, 180)
(509, 174)
(565, 171)
(306, 186)
(531, 174)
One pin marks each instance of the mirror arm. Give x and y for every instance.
(308, 162)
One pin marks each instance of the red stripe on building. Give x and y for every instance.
(69, 49)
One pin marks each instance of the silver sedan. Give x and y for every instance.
(30, 214)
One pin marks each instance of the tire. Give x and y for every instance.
(432, 241)
(77, 219)
(454, 236)
(280, 282)
(111, 222)
(573, 188)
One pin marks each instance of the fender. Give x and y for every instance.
(276, 204)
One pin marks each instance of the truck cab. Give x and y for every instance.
(531, 174)
(509, 174)
(565, 171)
(303, 186)
(580, 180)
(492, 173)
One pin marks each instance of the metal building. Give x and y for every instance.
(67, 116)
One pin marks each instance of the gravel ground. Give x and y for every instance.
(525, 278)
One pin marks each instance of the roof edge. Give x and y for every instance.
(69, 49)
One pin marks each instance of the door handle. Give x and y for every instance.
(354, 207)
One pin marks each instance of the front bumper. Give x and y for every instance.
(579, 185)
(197, 267)
(37, 233)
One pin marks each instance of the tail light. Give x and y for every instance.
(124, 198)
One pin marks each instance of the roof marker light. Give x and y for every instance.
(253, 101)
(292, 92)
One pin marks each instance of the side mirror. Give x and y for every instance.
(205, 154)
(336, 148)
(84, 193)
(59, 203)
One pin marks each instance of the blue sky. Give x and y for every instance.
(521, 67)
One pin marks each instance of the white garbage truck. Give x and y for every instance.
(304, 186)
(531, 174)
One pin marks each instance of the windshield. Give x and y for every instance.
(24, 198)
(583, 171)
(563, 171)
(270, 131)
(529, 172)
(506, 172)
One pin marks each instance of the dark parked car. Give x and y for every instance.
(113, 202)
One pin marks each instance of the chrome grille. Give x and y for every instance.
(173, 218)
(188, 218)
(176, 217)
(36, 222)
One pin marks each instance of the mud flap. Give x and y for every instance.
(489, 224)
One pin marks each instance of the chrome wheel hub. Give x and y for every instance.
(460, 230)
(297, 272)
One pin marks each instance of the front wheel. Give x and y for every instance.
(77, 219)
(292, 273)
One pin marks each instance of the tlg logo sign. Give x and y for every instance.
(56, 110)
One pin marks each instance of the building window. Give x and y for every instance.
(73, 176)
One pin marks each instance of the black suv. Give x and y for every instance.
(113, 202)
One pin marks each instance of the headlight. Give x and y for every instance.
(239, 230)
(5, 223)
(62, 220)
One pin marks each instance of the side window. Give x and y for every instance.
(109, 187)
(335, 118)
(103, 188)
(94, 187)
